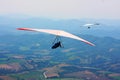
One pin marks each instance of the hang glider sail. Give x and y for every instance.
(89, 25)
(57, 33)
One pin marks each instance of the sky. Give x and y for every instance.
(99, 9)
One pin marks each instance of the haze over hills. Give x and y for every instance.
(108, 28)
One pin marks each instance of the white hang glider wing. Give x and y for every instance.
(58, 33)
(88, 25)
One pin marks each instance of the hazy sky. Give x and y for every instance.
(107, 9)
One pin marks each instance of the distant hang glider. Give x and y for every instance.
(57, 33)
(89, 25)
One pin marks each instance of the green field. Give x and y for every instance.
(36, 75)
(116, 77)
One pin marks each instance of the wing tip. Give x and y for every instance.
(22, 28)
(93, 45)
(90, 43)
(28, 29)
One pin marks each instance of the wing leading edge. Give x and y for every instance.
(57, 32)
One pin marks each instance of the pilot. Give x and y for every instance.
(56, 45)
(88, 27)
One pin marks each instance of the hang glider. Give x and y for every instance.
(57, 33)
(89, 25)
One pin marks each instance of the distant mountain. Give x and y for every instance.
(110, 28)
(106, 50)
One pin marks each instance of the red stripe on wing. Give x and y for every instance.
(28, 29)
(90, 43)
